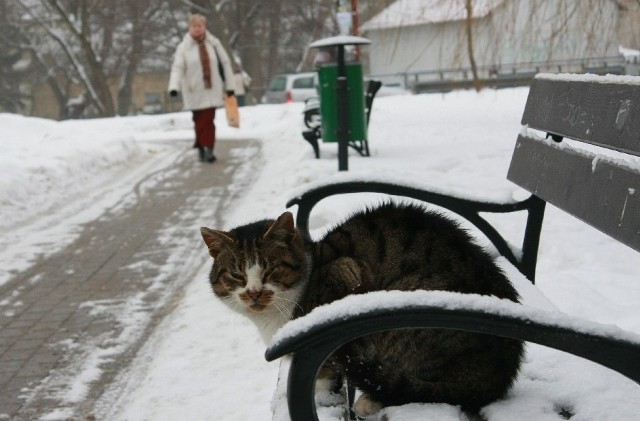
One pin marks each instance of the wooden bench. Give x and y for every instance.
(600, 186)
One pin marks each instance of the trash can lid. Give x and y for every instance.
(339, 40)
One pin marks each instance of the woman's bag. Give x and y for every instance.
(231, 109)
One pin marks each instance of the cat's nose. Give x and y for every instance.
(254, 295)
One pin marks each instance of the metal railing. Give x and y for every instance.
(498, 75)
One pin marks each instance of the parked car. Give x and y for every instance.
(293, 87)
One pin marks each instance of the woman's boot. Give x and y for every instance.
(201, 154)
(208, 155)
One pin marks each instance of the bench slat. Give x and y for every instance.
(602, 193)
(604, 114)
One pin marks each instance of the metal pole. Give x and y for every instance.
(355, 19)
(342, 109)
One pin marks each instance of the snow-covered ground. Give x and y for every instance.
(204, 363)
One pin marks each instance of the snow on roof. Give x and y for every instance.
(422, 12)
(628, 52)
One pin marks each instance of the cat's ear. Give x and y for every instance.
(215, 240)
(282, 228)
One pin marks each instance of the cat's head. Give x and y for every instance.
(259, 268)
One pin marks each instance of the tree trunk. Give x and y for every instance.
(125, 91)
(275, 17)
(97, 77)
(93, 77)
(469, 26)
(318, 29)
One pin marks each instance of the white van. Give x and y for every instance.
(293, 87)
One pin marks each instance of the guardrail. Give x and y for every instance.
(498, 75)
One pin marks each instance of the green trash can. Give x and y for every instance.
(357, 124)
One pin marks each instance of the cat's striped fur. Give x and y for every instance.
(268, 272)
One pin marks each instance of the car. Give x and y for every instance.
(292, 87)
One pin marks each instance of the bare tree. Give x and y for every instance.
(73, 28)
(100, 45)
(319, 20)
(469, 30)
(11, 99)
(93, 44)
(70, 30)
(629, 24)
(149, 34)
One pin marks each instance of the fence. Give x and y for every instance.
(498, 75)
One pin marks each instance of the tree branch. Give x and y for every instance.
(68, 53)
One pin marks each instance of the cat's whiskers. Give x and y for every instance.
(289, 310)
(283, 310)
(295, 303)
(232, 302)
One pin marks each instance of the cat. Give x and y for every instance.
(267, 271)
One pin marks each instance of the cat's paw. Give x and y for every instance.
(325, 384)
(349, 275)
(364, 406)
(326, 394)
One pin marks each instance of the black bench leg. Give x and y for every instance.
(312, 136)
(351, 396)
(365, 147)
(360, 146)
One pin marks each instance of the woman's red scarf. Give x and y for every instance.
(204, 59)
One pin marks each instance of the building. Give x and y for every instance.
(149, 96)
(424, 44)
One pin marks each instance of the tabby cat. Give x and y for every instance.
(269, 272)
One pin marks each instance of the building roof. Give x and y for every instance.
(423, 12)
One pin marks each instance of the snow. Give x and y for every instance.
(595, 153)
(339, 40)
(356, 305)
(629, 53)
(404, 13)
(588, 77)
(204, 362)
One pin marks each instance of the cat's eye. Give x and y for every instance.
(235, 278)
(272, 271)
(289, 265)
(272, 274)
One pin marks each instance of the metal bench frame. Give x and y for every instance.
(601, 111)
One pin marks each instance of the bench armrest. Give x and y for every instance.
(467, 208)
(313, 338)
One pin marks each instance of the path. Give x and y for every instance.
(77, 317)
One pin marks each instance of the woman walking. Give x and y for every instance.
(202, 71)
